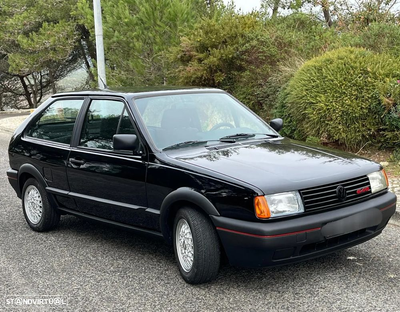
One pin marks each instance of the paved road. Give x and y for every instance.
(96, 268)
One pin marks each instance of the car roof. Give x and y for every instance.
(136, 92)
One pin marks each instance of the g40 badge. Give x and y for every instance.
(363, 190)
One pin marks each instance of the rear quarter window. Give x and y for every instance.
(56, 123)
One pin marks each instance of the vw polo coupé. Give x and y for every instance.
(198, 168)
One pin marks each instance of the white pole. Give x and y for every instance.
(98, 29)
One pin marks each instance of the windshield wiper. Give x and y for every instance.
(234, 137)
(183, 144)
(269, 135)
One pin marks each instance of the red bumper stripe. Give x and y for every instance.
(285, 234)
(387, 207)
(267, 236)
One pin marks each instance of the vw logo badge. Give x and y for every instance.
(341, 193)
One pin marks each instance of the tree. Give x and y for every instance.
(211, 55)
(139, 33)
(298, 5)
(38, 45)
(356, 15)
(274, 6)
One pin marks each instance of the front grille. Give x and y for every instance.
(325, 196)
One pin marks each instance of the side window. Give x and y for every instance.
(104, 119)
(126, 126)
(56, 122)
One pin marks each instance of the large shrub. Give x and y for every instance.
(244, 54)
(209, 55)
(347, 96)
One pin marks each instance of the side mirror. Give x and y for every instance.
(124, 142)
(276, 124)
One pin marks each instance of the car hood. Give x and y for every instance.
(277, 165)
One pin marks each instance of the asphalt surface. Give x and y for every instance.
(92, 267)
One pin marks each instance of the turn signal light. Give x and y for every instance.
(261, 207)
(386, 177)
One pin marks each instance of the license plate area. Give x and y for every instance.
(353, 223)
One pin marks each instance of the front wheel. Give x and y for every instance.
(38, 212)
(196, 246)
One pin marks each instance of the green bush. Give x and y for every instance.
(210, 54)
(245, 54)
(301, 35)
(344, 96)
(395, 157)
(381, 38)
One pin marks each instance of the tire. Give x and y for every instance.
(38, 212)
(196, 246)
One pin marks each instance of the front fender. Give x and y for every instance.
(183, 194)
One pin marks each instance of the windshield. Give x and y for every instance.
(198, 117)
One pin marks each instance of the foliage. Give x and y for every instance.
(357, 15)
(138, 33)
(243, 54)
(313, 140)
(212, 53)
(395, 157)
(381, 37)
(37, 46)
(345, 96)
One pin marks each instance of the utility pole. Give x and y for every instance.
(98, 29)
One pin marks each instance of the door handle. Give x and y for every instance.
(76, 162)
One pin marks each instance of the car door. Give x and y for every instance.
(105, 183)
(46, 142)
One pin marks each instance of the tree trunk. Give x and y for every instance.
(87, 65)
(85, 36)
(327, 13)
(34, 89)
(275, 8)
(41, 88)
(52, 82)
(27, 94)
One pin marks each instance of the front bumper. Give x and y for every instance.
(257, 244)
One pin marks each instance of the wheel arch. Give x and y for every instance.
(180, 198)
(27, 171)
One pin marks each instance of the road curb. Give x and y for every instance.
(17, 111)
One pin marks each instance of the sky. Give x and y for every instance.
(246, 5)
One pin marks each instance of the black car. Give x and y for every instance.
(198, 168)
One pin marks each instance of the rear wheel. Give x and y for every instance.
(38, 212)
(196, 246)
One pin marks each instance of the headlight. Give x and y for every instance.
(378, 181)
(277, 205)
